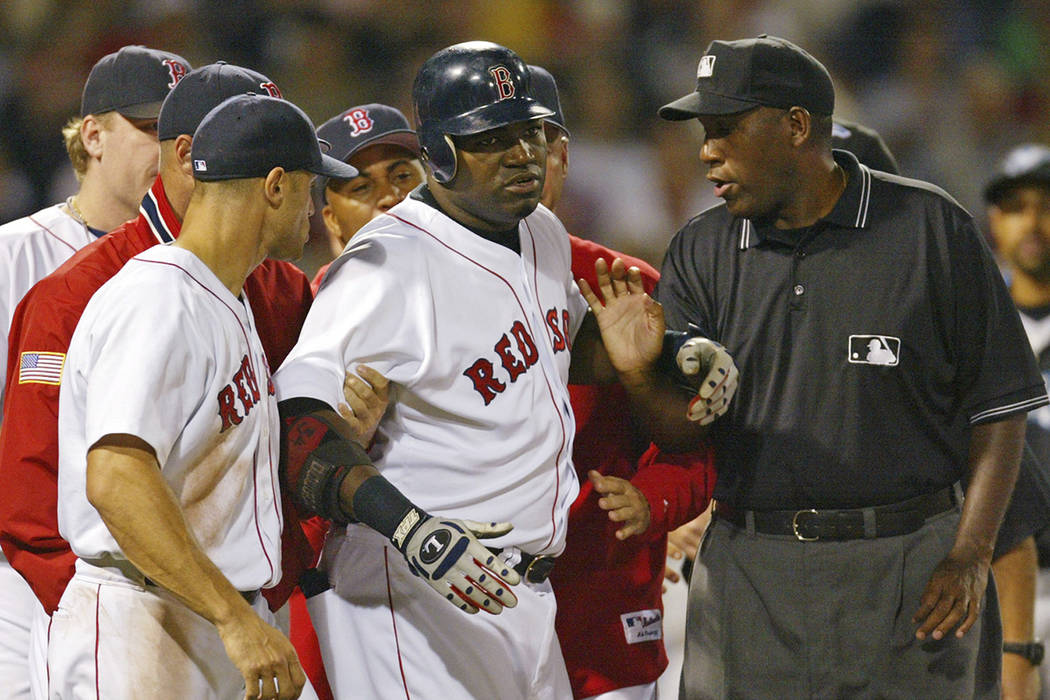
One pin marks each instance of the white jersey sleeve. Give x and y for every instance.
(367, 311)
(30, 249)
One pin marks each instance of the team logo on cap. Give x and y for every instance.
(176, 70)
(271, 90)
(359, 122)
(706, 67)
(503, 83)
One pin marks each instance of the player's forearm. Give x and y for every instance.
(659, 409)
(995, 455)
(125, 485)
(1015, 576)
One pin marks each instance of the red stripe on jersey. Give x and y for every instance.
(393, 620)
(53, 234)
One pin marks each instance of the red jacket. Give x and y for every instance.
(44, 321)
(599, 580)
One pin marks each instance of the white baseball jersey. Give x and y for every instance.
(30, 249)
(165, 352)
(475, 341)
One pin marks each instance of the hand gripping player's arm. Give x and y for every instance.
(633, 335)
(333, 477)
(125, 485)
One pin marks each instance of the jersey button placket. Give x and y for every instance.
(798, 289)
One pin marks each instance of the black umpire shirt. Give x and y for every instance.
(868, 344)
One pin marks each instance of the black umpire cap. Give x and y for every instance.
(735, 76)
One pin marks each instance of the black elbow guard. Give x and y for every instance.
(316, 460)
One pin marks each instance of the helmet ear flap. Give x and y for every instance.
(439, 153)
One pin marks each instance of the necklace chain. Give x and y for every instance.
(71, 204)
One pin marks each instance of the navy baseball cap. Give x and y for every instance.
(1028, 164)
(202, 90)
(545, 90)
(247, 136)
(735, 76)
(367, 125)
(132, 81)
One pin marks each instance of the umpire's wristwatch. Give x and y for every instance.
(1033, 651)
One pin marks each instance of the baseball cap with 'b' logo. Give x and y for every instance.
(367, 125)
(735, 76)
(132, 81)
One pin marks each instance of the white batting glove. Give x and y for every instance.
(701, 356)
(447, 555)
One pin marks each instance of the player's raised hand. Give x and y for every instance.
(367, 397)
(447, 555)
(718, 377)
(623, 502)
(263, 655)
(631, 322)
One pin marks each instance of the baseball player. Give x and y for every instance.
(609, 579)
(462, 296)
(168, 470)
(113, 148)
(44, 323)
(378, 141)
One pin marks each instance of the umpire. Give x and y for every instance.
(881, 364)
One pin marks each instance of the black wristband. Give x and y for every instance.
(1033, 651)
(380, 505)
(673, 342)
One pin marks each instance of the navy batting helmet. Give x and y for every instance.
(465, 89)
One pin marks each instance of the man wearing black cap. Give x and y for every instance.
(113, 148)
(168, 465)
(44, 323)
(881, 362)
(1018, 198)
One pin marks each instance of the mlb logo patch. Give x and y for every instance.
(882, 350)
(706, 68)
(200, 166)
(642, 626)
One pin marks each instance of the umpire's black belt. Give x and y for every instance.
(812, 524)
(532, 568)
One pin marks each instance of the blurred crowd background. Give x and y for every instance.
(950, 84)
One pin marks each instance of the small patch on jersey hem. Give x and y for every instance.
(642, 626)
(41, 367)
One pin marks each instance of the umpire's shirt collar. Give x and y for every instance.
(850, 212)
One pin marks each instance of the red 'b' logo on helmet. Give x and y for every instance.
(176, 70)
(271, 90)
(358, 121)
(502, 77)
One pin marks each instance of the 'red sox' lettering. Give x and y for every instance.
(516, 352)
(243, 387)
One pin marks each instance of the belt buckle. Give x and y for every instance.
(539, 569)
(794, 526)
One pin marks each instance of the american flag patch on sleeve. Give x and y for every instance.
(41, 367)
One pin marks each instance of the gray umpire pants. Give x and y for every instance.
(773, 617)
